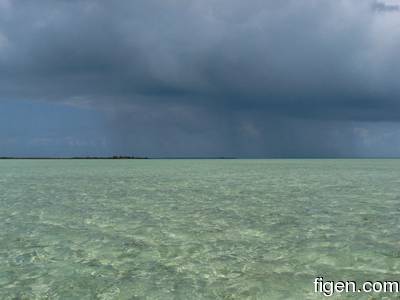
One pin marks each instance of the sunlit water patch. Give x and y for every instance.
(195, 229)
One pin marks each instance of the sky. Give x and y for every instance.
(168, 78)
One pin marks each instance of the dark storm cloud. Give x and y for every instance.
(209, 76)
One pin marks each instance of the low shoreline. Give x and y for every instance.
(115, 157)
(79, 157)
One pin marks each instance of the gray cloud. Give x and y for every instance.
(259, 77)
(382, 6)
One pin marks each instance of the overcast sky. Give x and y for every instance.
(262, 78)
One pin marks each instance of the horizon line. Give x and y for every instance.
(119, 157)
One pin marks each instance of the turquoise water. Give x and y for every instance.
(195, 229)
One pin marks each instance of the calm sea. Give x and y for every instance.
(195, 229)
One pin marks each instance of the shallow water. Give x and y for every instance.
(195, 229)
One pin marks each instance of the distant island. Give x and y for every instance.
(80, 157)
(112, 157)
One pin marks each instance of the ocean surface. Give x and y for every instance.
(196, 229)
